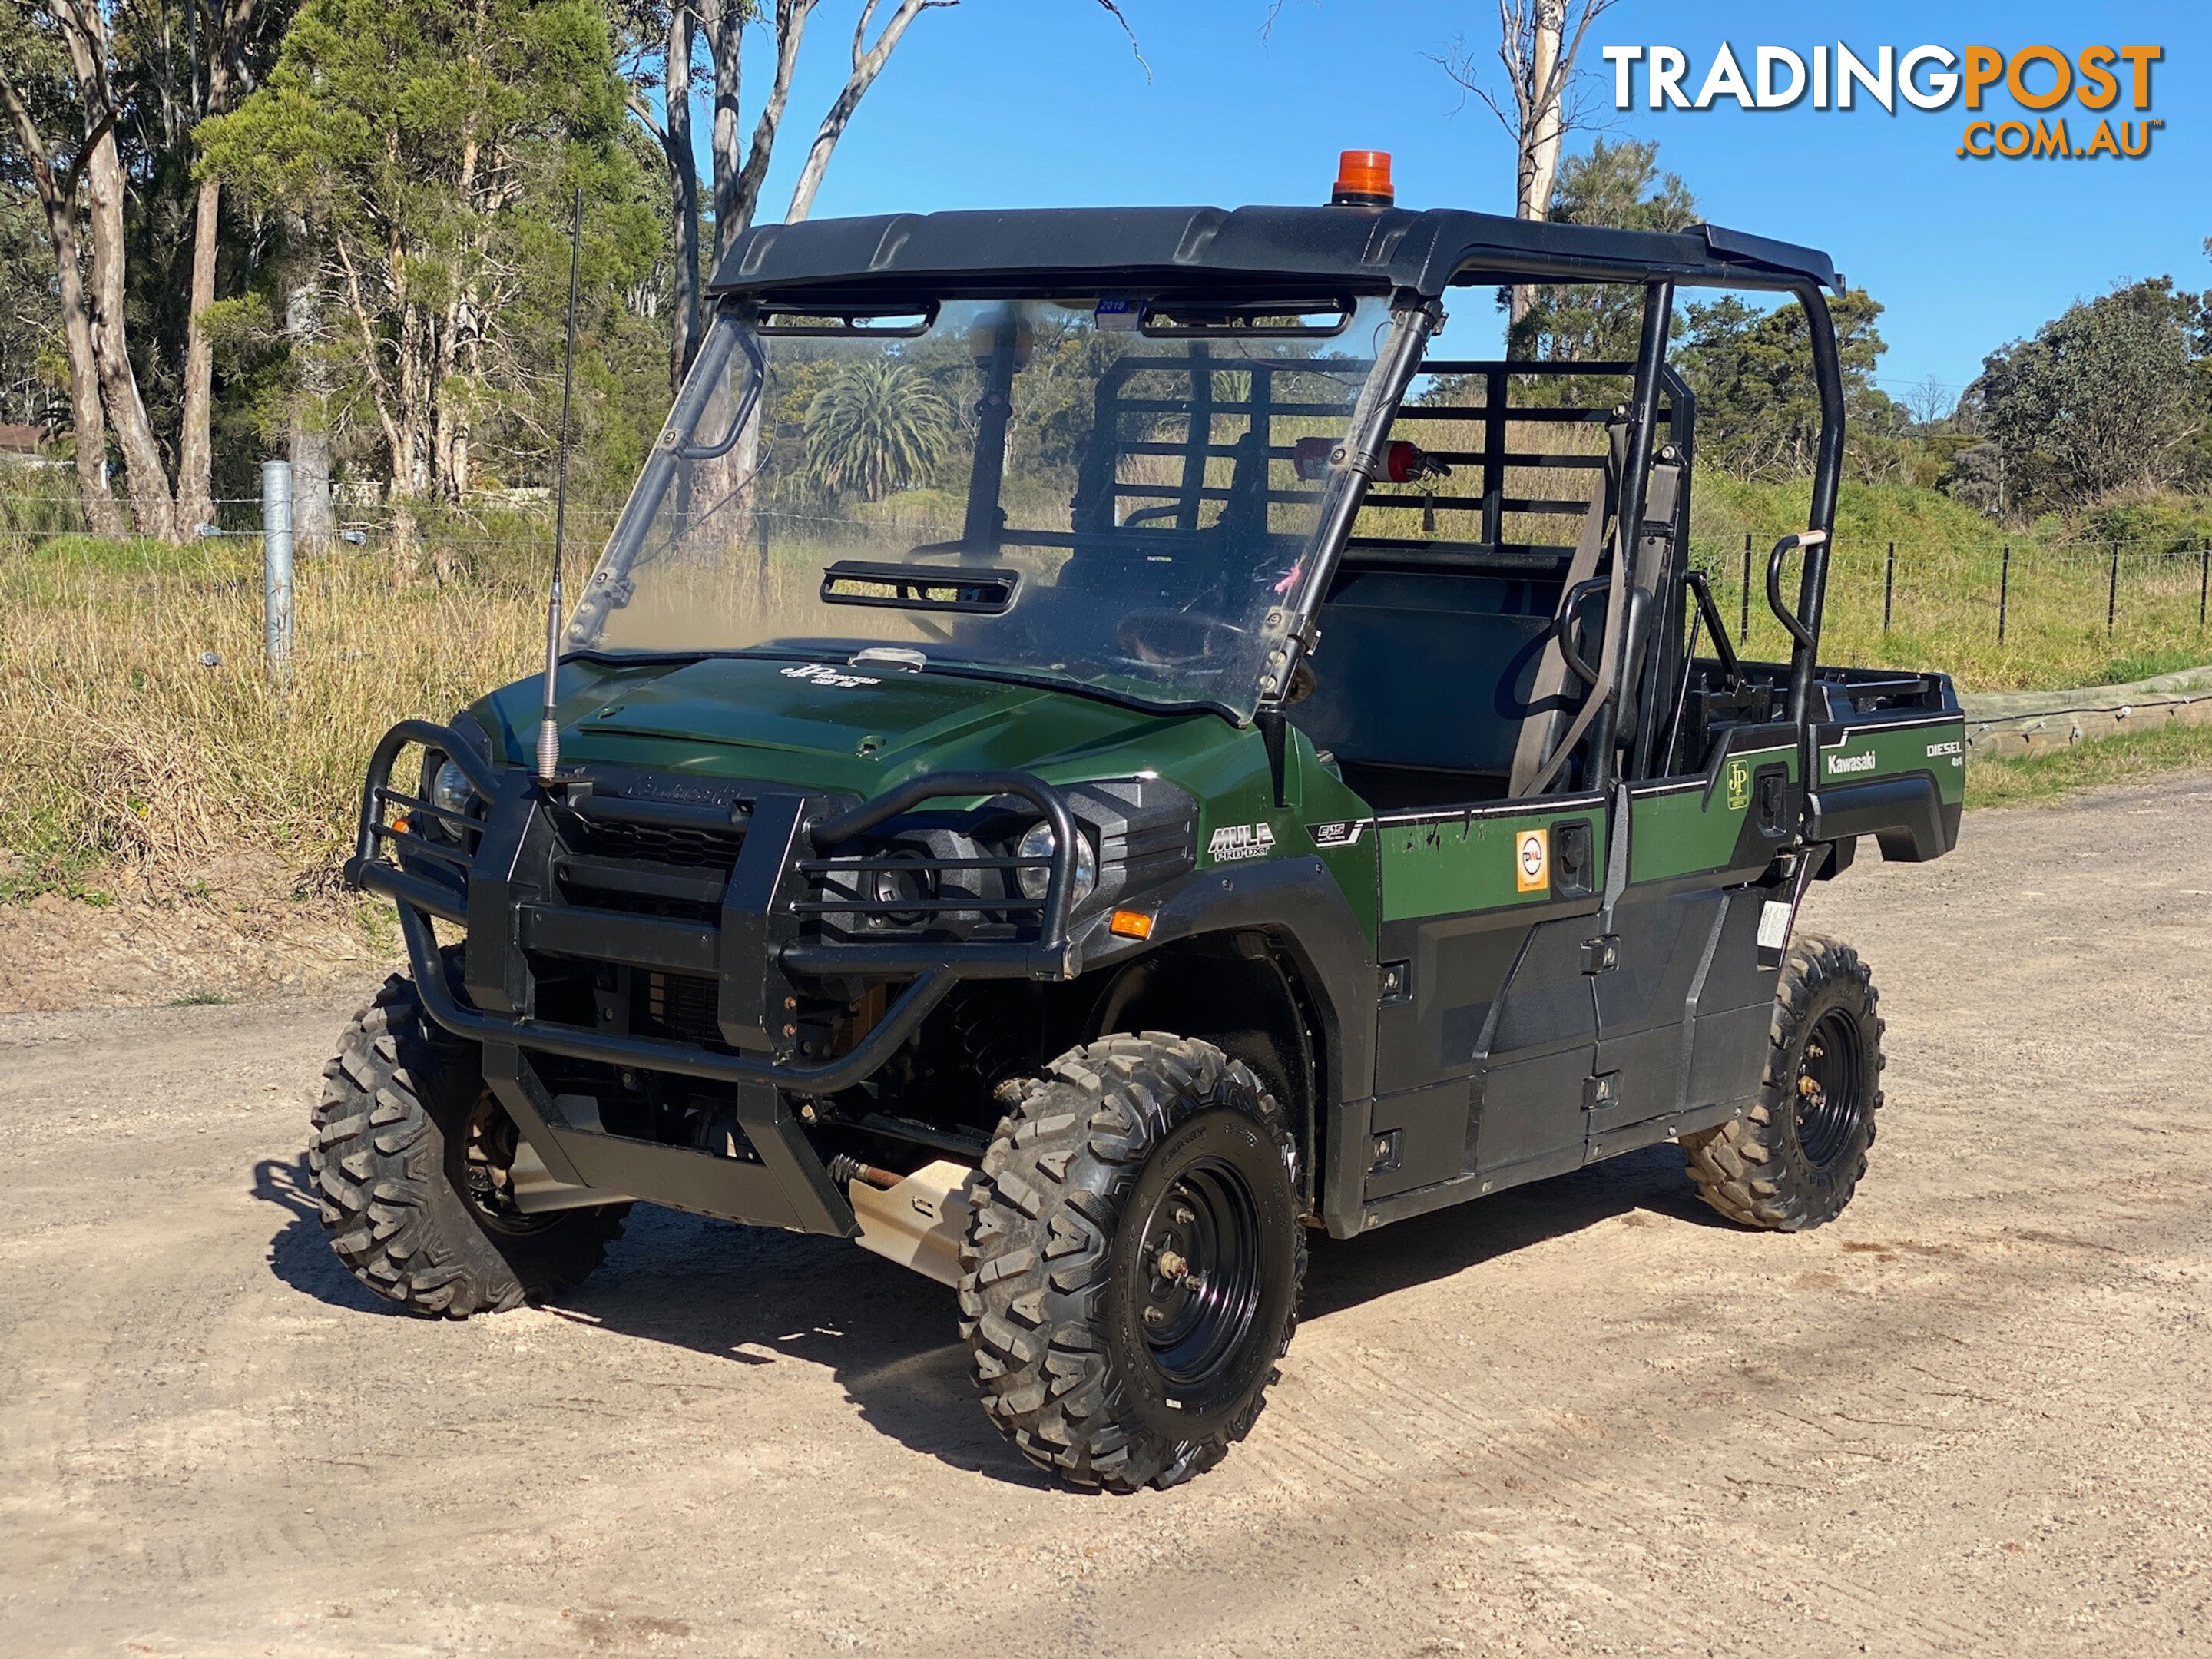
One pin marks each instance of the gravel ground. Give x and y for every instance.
(1582, 1417)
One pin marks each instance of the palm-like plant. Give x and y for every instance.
(878, 425)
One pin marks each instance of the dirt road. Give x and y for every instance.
(1584, 1418)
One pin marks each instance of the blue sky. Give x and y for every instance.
(1039, 102)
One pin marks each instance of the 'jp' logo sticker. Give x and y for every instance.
(1739, 785)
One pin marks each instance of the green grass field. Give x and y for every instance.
(1950, 572)
(2040, 779)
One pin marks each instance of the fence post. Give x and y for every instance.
(1743, 622)
(2004, 591)
(1888, 585)
(277, 566)
(2112, 593)
(760, 531)
(2203, 579)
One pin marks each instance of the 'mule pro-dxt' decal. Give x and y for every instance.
(1234, 842)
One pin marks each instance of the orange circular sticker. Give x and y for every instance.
(1532, 861)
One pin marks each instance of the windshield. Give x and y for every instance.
(1106, 491)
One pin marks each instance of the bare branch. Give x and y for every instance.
(34, 144)
(643, 110)
(868, 63)
(1135, 50)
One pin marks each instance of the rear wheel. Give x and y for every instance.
(411, 1155)
(1794, 1160)
(1133, 1264)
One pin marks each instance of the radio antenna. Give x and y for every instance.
(548, 726)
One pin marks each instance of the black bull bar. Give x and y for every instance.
(752, 953)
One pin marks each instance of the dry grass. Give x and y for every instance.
(140, 734)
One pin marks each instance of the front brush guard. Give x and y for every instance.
(427, 879)
(750, 954)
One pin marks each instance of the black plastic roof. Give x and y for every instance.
(1361, 249)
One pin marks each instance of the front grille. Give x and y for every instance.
(681, 1006)
(665, 844)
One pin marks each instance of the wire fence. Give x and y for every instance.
(2000, 614)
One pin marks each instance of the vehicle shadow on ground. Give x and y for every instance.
(300, 1254)
(1346, 1273)
(751, 1297)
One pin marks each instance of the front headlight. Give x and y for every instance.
(451, 789)
(1037, 843)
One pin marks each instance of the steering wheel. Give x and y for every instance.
(1171, 639)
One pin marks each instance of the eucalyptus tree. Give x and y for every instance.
(429, 148)
(667, 36)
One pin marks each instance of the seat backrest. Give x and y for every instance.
(1426, 670)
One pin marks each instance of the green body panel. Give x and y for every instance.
(1448, 866)
(862, 730)
(1685, 831)
(825, 726)
(1938, 749)
(1354, 863)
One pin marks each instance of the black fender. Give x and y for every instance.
(1297, 904)
(1905, 815)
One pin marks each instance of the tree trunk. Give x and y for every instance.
(84, 27)
(57, 198)
(195, 455)
(725, 43)
(313, 525)
(1543, 128)
(101, 517)
(683, 177)
(449, 422)
(151, 509)
(867, 64)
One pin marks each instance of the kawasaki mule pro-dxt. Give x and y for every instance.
(1096, 746)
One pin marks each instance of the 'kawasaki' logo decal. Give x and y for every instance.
(815, 673)
(1851, 764)
(1233, 842)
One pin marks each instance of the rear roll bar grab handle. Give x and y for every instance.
(1802, 625)
(1563, 626)
(1814, 541)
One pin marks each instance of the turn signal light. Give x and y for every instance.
(1362, 179)
(1131, 924)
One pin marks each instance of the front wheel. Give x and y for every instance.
(1132, 1267)
(410, 1156)
(1794, 1160)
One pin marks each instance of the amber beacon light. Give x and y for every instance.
(1362, 179)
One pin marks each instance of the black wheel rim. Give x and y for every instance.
(1203, 1278)
(1828, 1088)
(488, 1159)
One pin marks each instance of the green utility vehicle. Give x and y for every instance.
(1096, 746)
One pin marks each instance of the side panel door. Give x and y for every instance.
(1486, 1027)
(1682, 1015)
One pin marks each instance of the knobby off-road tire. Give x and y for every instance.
(1794, 1159)
(1144, 1176)
(390, 1154)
